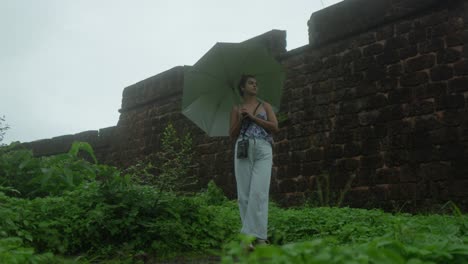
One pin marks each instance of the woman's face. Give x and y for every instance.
(250, 87)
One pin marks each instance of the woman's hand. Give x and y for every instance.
(244, 113)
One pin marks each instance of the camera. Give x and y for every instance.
(243, 149)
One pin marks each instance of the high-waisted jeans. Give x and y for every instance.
(253, 176)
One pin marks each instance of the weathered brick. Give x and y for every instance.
(419, 139)
(370, 146)
(376, 101)
(298, 156)
(423, 154)
(365, 39)
(288, 185)
(366, 133)
(396, 157)
(458, 188)
(314, 154)
(318, 125)
(444, 135)
(451, 101)
(425, 123)
(441, 73)
(431, 45)
(364, 177)
(293, 169)
(388, 57)
(404, 27)
(435, 171)
(407, 52)
(296, 131)
(346, 166)
(341, 136)
(385, 32)
(439, 30)
(458, 85)
(320, 139)
(334, 152)
(349, 107)
(399, 127)
(461, 68)
(414, 79)
(438, 190)
(364, 63)
(409, 173)
(420, 108)
(351, 55)
(460, 170)
(390, 112)
(454, 39)
(375, 73)
(282, 146)
(417, 35)
(331, 61)
(387, 84)
(433, 19)
(420, 63)
(398, 141)
(448, 56)
(452, 151)
(299, 144)
(399, 95)
(387, 175)
(347, 121)
(452, 117)
(465, 51)
(435, 89)
(354, 79)
(338, 71)
(312, 168)
(373, 49)
(371, 161)
(281, 159)
(352, 149)
(366, 88)
(395, 70)
(396, 43)
(317, 112)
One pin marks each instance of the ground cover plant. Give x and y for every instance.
(70, 209)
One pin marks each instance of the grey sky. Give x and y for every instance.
(64, 63)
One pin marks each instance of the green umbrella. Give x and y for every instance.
(210, 86)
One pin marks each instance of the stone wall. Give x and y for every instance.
(380, 95)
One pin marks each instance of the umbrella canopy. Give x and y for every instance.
(210, 86)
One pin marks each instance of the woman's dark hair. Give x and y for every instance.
(243, 81)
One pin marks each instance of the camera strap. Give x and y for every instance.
(248, 125)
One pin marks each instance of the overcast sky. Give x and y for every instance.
(65, 63)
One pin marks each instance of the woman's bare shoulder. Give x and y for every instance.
(267, 105)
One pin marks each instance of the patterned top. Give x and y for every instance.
(254, 130)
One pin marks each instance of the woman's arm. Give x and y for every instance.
(271, 124)
(235, 123)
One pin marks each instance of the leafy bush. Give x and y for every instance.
(169, 168)
(345, 235)
(104, 214)
(41, 176)
(115, 214)
(13, 251)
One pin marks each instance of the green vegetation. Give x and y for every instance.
(69, 209)
(3, 128)
(168, 169)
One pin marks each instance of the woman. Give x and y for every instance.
(253, 121)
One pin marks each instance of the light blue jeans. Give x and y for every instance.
(253, 176)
